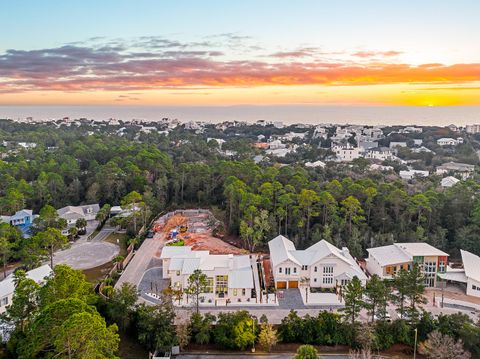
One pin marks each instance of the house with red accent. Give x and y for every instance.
(387, 261)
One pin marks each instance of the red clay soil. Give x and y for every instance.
(174, 222)
(267, 266)
(206, 242)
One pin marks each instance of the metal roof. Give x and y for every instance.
(471, 264)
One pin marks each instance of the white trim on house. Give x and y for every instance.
(7, 286)
(320, 265)
(231, 275)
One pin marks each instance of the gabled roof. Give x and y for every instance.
(387, 255)
(70, 212)
(21, 214)
(403, 252)
(280, 250)
(186, 261)
(471, 264)
(7, 286)
(420, 249)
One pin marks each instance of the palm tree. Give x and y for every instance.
(72, 233)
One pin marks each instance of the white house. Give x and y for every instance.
(230, 277)
(278, 124)
(475, 128)
(380, 153)
(276, 144)
(320, 265)
(72, 213)
(462, 169)
(469, 275)
(386, 261)
(398, 144)
(449, 181)
(471, 265)
(447, 141)
(346, 153)
(410, 174)
(315, 164)
(376, 167)
(365, 145)
(7, 286)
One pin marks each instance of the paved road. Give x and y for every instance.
(104, 233)
(86, 255)
(147, 256)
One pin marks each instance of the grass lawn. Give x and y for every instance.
(121, 239)
(94, 233)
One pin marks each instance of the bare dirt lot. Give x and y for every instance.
(199, 234)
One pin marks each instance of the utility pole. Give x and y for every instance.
(415, 347)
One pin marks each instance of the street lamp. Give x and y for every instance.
(253, 326)
(415, 347)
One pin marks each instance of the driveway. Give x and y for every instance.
(86, 255)
(104, 233)
(146, 257)
(152, 282)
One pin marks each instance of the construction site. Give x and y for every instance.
(200, 230)
(197, 228)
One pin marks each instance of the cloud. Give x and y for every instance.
(154, 63)
(369, 54)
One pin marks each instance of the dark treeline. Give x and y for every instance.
(343, 204)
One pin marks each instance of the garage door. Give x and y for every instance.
(281, 285)
(293, 284)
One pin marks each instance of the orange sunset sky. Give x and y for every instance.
(249, 52)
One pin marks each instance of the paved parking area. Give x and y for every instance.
(86, 255)
(152, 282)
(146, 257)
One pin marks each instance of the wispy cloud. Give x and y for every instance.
(149, 63)
(369, 54)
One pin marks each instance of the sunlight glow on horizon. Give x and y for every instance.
(376, 53)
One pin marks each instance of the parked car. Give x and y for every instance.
(150, 234)
(386, 318)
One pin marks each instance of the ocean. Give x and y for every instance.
(288, 114)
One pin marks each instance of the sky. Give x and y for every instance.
(223, 53)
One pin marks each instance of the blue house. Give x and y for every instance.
(22, 220)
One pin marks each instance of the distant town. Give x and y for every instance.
(195, 227)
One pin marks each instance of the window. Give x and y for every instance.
(327, 275)
(244, 291)
(328, 270)
(315, 269)
(209, 286)
(279, 269)
(315, 280)
(473, 287)
(4, 301)
(304, 267)
(221, 285)
(441, 267)
(294, 269)
(287, 271)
